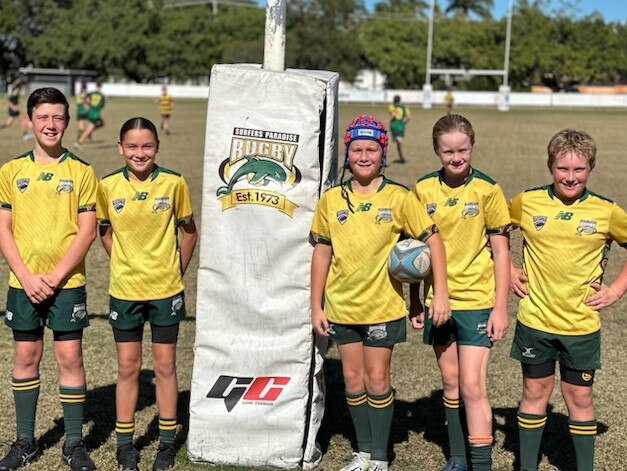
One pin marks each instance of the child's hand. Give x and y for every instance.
(497, 324)
(605, 296)
(518, 282)
(35, 288)
(417, 320)
(319, 322)
(440, 310)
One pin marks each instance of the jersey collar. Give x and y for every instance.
(155, 172)
(584, 195)
(384, 182)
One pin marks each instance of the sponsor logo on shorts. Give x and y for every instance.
(118, 204)
(587, 227)
(9, 315)
(539, 222)
(482, 328)
(377, 331)
(431, 207)
(527, 353)
(177, 305)
(586, 376)
(331, 330)
(470, 210)
(260, 390)
(79, 312)
(162, 203)
(342, 215)
(113, 315)
(383, 215)
(22, 184)
(65, 186)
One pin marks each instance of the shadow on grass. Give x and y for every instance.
(557, 445)
(100, 408)
(426, 416)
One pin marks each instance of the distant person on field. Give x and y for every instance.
(354, 301)
(449, 100)
(13, 109)
(399, 116)
(94, 102)
(147, 228)
(81, 109)
(47, 224)
(166, 104)
(567, 230)
(470, 211)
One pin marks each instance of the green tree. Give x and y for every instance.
(480, 8)
(322, 34)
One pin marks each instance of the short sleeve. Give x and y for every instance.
(515, 209)
(497, 216)
(87, 191)
(417, 222)
(320, 231)
(183, 211)
(618, 225)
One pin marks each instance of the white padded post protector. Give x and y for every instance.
(257, 395)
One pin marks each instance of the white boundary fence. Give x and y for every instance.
(348, 95)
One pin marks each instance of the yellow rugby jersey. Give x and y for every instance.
(359, 289)
(400, 112)
(165, 104)
(145, 260)
(465, 217)
(565, 249)
(45, 200)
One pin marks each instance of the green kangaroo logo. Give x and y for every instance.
(256, 171)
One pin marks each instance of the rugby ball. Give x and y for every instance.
(409, 261)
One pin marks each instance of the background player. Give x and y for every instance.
(141, 209)
(355, 226)
(95, 102)
(13, 110)
(471, 214)
(47, 224)
(81, 109)
(166, 104)
(398, 119)
(561, 289)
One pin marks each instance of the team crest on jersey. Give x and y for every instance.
(118, 204)
(383, 215)
(342, 215)
(22, 184)
(587, 227)
(431, 207)
(539, 222)
(260, 170)
(65, 186)
(470, 210)
(79, 311)
(162, 203)
(177, 305)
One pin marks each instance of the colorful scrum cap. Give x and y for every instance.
(366, 127)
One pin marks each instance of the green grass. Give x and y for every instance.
(511, 147)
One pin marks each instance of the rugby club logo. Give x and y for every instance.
(470, 210)
(587, 227)
(22, 184)
(162, 204)
(383, 215)
(260, 390)
(65, 186)
(259, 170)
(539, 222)
(79, 311)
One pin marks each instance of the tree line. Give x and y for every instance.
(151, 40)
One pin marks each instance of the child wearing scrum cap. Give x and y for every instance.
(354, 301)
